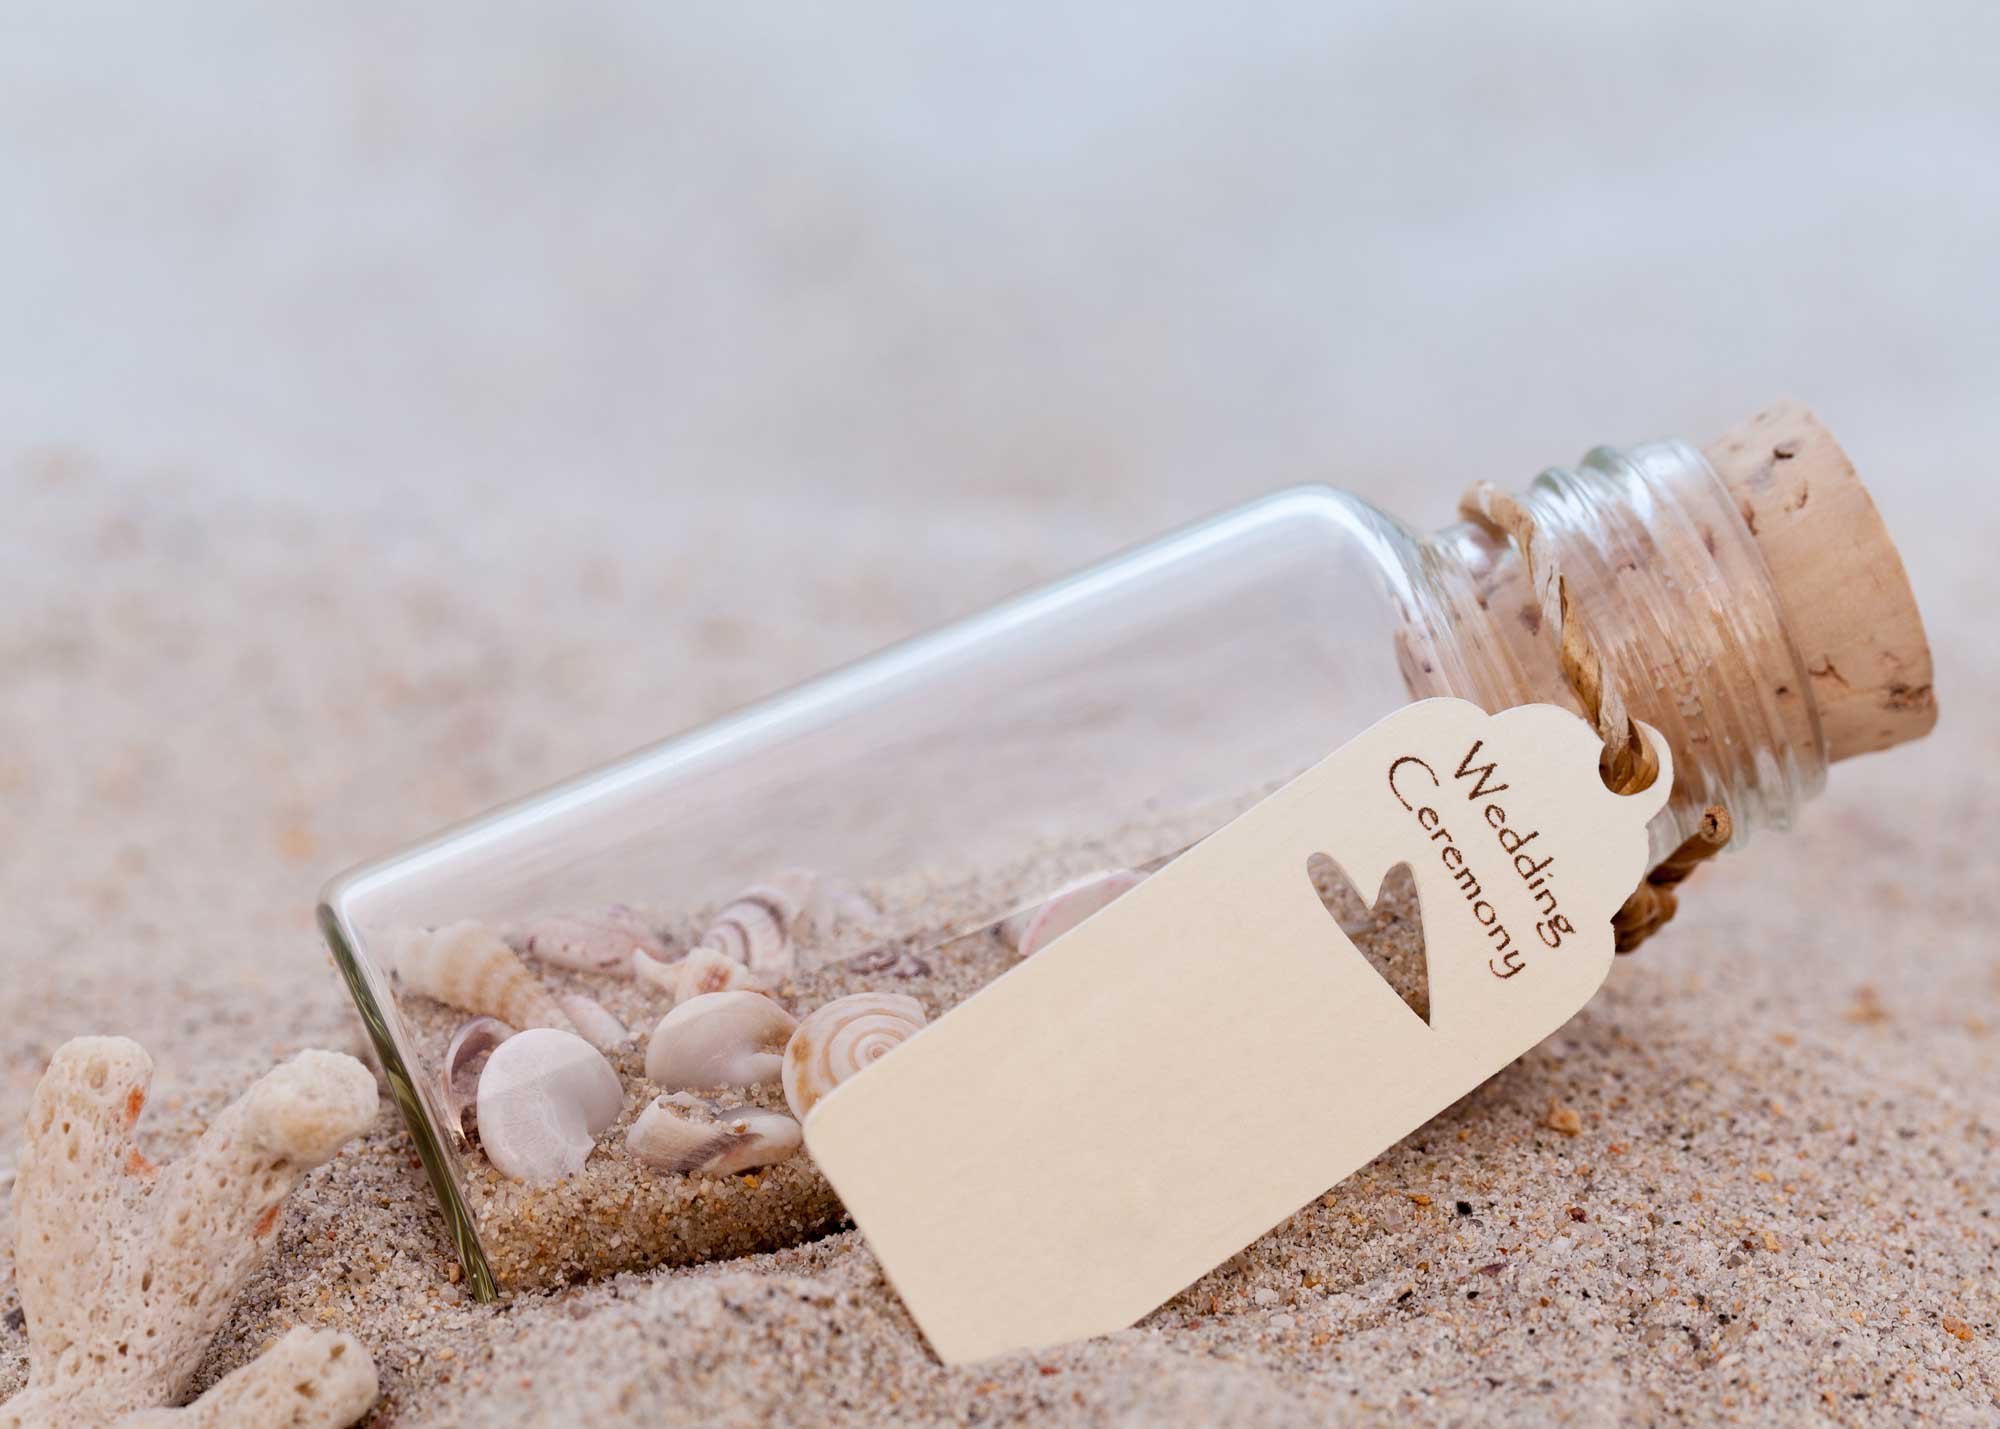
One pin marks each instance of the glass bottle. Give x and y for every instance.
(1108, 721)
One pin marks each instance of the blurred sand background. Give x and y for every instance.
(402, 409)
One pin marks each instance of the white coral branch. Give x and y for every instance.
(311, 1379)
(126, 1271)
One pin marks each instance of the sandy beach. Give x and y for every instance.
(327, 519)
(1782, 1191)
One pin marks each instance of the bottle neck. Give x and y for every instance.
(1667, 580)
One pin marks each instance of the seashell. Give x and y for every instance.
(688, 1101)
(544, 1096)
(769, 1137)
(599, 942)
(771, 926)
(593, 1021)
(468, 966)
(756, 927)
(1041, 925)
(824, 903)
(720, 1039)
(664, 976)
(896, 962)
(470, 1047)
(836, 903)
(702, 970)
(838, 1040)
(741, 1139)
(665, 1138)
(800, 887)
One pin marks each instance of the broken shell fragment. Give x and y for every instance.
(720, 1039)
(470, 967)
(1041, 925)
(544, 1096)
(594, 1022)
(768, 1138)
(470, 1046)
(666, 1138)
(896, 962)
(702, 970)
(688, 1101)
(602, 941)
(838, 1040)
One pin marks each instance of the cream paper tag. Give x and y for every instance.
(1167, 1081)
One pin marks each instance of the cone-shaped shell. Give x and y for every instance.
(757, 926)
(470, 967)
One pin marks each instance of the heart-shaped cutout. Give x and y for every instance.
(1388, 929)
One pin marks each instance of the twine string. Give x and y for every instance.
(1627, 764)
(1654, 902)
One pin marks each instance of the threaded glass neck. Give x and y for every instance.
(1667, 580)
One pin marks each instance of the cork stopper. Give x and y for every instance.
(1846, 599)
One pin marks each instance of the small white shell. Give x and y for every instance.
(543, 1098)
(601, 941)
(1043, 924)
(594, 1021)
(838, 1040)
(702, 970)
(464, 1059)
(743, 1138)
(720, 1039)
(470, 967)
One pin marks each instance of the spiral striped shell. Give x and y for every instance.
(470, 967)
(841, 1038)
(757, 926)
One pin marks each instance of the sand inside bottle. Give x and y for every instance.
(933, 938)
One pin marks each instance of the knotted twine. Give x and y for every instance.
(1627, 764)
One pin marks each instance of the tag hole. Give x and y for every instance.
(1388, 930)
